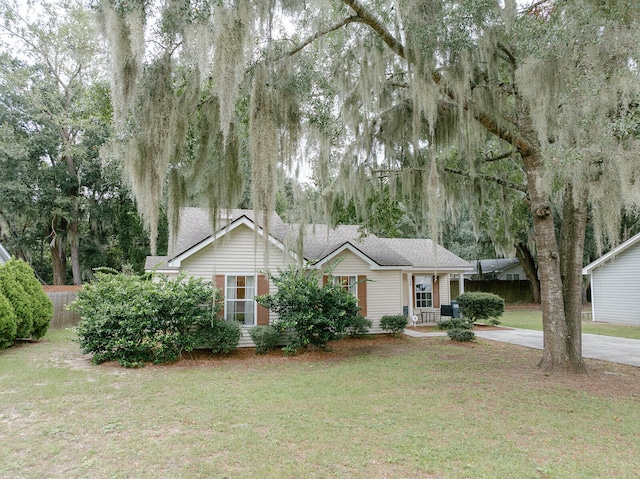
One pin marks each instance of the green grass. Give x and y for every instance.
(529, 319)
(411, 408)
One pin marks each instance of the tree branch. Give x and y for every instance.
(366, 17)
(321, 33)
(509, 184)
(500, 181)
(499, 157)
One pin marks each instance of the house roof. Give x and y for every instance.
(611, 254)
(493, 265)
(320, 242)
(4, 254)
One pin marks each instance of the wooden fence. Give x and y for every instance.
(60, 296)
(510, 291)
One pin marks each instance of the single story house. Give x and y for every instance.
(615, 284)
(4, 255)
(502, 269)
(388, 276)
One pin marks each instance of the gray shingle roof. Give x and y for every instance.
(319, 241)
(493, 265)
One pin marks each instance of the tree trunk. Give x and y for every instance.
(528, 264)
(58, 261)
(574, 225)
(75, 254)
(559, 352)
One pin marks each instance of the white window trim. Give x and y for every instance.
(226, 298)
(429, 300)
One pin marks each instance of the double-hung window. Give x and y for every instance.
(240, 302)
(349, 283)
(424, 291)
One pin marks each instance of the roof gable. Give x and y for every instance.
(321, 243)
(611, 254)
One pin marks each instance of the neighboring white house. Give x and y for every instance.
(615, 284)
(504, 269)
(4, 255)
(388, 276)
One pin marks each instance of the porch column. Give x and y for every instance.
(461, 283)
(410, 294)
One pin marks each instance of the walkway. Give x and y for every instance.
(594, 346)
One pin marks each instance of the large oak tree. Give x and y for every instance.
(431, 90)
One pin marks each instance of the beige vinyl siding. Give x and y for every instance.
(237, 252)
(383, 287)
(445, 287)
(616, 288)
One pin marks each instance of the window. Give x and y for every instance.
(514, 277)
(239, 299)
(424, 291)
(350, 283)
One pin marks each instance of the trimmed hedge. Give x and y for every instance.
(30, 309)
(265, 338)
(393, 324)
(133, 320)
(478, 306)
(8, 326)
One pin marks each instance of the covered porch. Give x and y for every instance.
(424, 292)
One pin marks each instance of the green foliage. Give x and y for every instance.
(359, 326)
(41, 305)
(455, 323)
(481, 306)
(461, 334)
(133, 320)
(8, 325)
(265, 338)
(309, 313)
(221, 337)
(393, 324)
(19, 299)
(458, 329)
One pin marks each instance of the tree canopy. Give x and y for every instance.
(530, 104)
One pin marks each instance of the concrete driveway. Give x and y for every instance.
(594, 346)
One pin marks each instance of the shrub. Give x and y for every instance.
(309, 313)
(8, 325)
(458, 334)
(22, 304)
(358, 326)
(393, 324)
(133, 320)
(455, 323)
(265, 338)
(41, 305)
(218, 335)
(458, 329)
(478, 306)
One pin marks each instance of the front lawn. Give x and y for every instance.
(531, 318)
(384, 407)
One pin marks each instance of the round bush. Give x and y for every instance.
(265, 338)
(8, 325)
(41, 305)
(461, 334)
(19, 299)
(477, 306)
(359, 326)
(393, 324)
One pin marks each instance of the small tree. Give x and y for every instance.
(22, 304)
(310, 313)
(481, 307)
(8, 325)
(41, 305)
